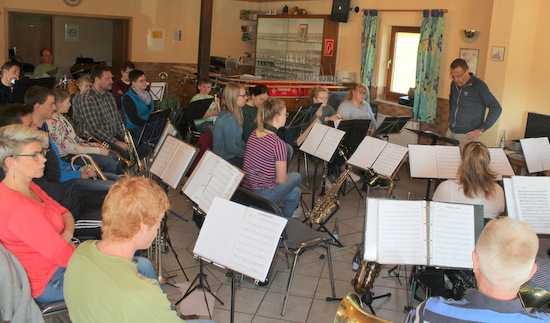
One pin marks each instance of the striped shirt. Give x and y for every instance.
(259, 160)
(474, 307)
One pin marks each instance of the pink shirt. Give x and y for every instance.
(259, 160)
(31, 231)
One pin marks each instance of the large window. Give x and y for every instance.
(402, 61)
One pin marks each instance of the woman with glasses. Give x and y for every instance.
(475, 183)
(326, 113)
(137, 103)
(35, 228)
(228, 130)
(265, 160)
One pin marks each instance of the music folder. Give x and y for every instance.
(537, 153)
(421, 232)
(322, 141)
(169, 129)
(173, 160)
(528, 200)
(213, 177)
(379, 155)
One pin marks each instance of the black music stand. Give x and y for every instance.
(391, 125)
(435, 137)
(356, 130)
(22, 85)
(196, 109)
(304, 116)
(152, 130)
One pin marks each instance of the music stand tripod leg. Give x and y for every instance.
(202, 284)
(169, 243)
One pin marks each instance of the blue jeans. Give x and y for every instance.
(289, 192)
(81, 187)
(54, 289)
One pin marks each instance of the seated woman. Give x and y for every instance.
(326, 113)
(265, 160)
(35, 228)
(206, 124)
(64, 137)
(475, 183)
(228, 130)
(258, 95)
(137, 104)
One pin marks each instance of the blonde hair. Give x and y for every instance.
(229, 100)
(506, 251)
(14, 137)
(315, 92)
(474, 174)
(271, 108)
(355, 87)
(131, 201)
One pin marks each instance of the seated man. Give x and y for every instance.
(47, 68)
(504, 259)
(114, 291)
(10, 71)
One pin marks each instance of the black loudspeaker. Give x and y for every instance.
(340, 10)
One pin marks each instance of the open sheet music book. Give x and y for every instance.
(213, 177)
(169, 129)
(322, 141)
(172, 161)
(500, 163)
(537, 153)
(428, 161)
(240, 238)
(422, 233)
(380, 155)
(528, 200)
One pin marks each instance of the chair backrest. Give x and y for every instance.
(246, 197)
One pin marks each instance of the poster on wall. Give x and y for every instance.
(72, 32)
(471, 56)
(155, 40)
(176, 35)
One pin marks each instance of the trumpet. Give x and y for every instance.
(132, 148)
(92, 139)
(90, 164)
(11, 80)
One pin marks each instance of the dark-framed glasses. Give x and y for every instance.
(36, 156)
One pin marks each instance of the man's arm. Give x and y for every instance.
(489, 100)
(91, 115)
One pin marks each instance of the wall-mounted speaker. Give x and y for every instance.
(340, 10)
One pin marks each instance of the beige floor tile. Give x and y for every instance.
(247, 300)
(221, 316)
(322, 311)
(297, 307)
(304, 286)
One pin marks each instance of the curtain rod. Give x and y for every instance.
(407, 10)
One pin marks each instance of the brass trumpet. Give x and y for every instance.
(89, 163)
(132, 148)
(106, 146)
(11, 80)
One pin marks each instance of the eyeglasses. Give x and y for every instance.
(242, 95)
(457, 76)
(361, 92)
(284, 115)
(35, 156)
(144, 80)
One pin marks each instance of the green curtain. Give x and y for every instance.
(427, 66)
(368, 47)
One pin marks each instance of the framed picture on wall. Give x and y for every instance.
(497, 53)
(471, 56)
(302, 32)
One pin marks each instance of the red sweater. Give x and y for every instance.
(119, 85)
(31, 231)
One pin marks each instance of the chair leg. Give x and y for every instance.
(329, 259)
(289, 284)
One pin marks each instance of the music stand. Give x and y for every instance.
(196, 109)
(151, 132)
(356, 130)
(22, 85)
(391, 125)
(304, 116)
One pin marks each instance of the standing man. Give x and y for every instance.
(504, 259)
(469, 99)
(120, 87)
(97, 113)
(10, 70)
(47, 68)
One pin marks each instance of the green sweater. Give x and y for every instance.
(249, 121)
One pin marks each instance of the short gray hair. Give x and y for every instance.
(506, 250)
(14, 137)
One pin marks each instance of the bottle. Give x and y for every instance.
(502, 139)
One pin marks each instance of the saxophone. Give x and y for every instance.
(329, 203)
(366, 274)
(380, 177)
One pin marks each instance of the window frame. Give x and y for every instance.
(394, 96)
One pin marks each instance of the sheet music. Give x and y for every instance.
(452, 235)
(532, 196)
(322, 141)
(389, 159)
(213, 177)
(422, 161)
(169, 129)
(240, 238)
(172, 161)
(371, 234)
(402, 232)
(500, 163)
(448, 159)
(367, 152)
(537, 153)
(511, 207)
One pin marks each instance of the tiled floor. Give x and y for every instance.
(311, 285)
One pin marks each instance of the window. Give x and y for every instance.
(402, 63)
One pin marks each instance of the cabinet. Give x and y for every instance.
(296, 47)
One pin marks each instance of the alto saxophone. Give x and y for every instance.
(329, 203)
(366, 274)
(90, 164)
(380, 177)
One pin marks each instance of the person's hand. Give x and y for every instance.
(214, 112)
(474, 134)
(67, 236)
(122, 145)
(371, 131)
(120, 92)
(87, 174)
(72, 244)
(103, 151)
(335, 117)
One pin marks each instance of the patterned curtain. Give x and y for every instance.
(427, 66)
(368, 47)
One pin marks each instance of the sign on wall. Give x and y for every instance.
(72, 32)
(155, 41)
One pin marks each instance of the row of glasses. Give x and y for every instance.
(307, 38)
(310, 57)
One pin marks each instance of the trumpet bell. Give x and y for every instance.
(351, 311)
